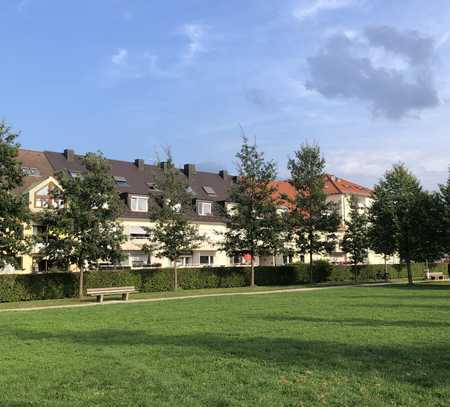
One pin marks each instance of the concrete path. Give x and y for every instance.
(185, 297)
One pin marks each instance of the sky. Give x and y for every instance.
(367, 80)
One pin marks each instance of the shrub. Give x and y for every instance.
(19, 287)
(16, 287)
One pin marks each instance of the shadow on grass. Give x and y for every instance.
(362, 322)
(425, 286)
(424, 366)
(430, 307)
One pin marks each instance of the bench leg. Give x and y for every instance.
(125, 296)
(100, 298)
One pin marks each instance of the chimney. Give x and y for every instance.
(164, 165)
(139, 164)
(189, 170)
(223, 174)
(69, 154)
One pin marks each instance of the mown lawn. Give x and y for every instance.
(340, 347)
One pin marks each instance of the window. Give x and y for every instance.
(288, 259)
(44, 198)
(204, 208)
(31, 172)
(139, 203)
(137, 232)
(209, 190)
(152, 186)
(75, 174)
(185, 261)
(140, 259)
(121, 181)
(206, 260)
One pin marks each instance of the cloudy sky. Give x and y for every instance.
(369, 80)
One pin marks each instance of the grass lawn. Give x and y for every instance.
(342, 347)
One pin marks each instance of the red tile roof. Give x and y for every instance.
(333, 186)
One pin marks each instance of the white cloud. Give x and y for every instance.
(197, 36)
(309, 9)
(120, 57)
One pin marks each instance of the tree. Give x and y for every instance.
(172, 235)
(356, 239)
(82, 228)
(252, 223)
(14, 211)
(444, 205)
(314, 220)
(381, 231)
(402, 216)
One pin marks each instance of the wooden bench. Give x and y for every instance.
(435, 276)
(101, 292)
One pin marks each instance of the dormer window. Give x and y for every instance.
(204, 208)
(121, 181)
(139, 203)
(209, 190)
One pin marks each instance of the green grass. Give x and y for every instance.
(154, 295)
(344, 347)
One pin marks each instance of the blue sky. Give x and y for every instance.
(366, 79)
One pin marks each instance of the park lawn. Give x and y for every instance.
(371, 346)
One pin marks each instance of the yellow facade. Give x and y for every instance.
(208, 254)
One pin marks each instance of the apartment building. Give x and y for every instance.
(137, 185)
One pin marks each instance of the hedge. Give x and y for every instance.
(19, 287)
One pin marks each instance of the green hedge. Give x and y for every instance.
(18, 287)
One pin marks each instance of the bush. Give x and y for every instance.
(65, 285)
(19, 287)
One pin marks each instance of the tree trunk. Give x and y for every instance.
(311, 267)
(175, 276)
(410, 276)
(385, 265)
(252, 266)
(81, 286)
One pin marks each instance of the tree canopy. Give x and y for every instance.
(14, 211)
(82, 228)
(253, 224)
(172, 235)
(314, 220)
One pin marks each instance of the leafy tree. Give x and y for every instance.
(314, 220)
(253, 226)
(444, 204)
(14, 212)
(172, 235)
(356, 237)
(381, 230)
(82, 227)
(402, 215)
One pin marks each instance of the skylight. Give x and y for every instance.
(74, 174)
(31, 172)
(209, 190)
(152, 186)
(121, 181)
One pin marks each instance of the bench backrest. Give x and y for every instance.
(110, 290)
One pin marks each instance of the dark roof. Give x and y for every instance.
(138, 180)
(33, 159)
(221, 186)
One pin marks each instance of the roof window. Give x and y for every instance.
(209, 190)
(31, 172)
(121, 181)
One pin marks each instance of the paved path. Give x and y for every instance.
(185, 297)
